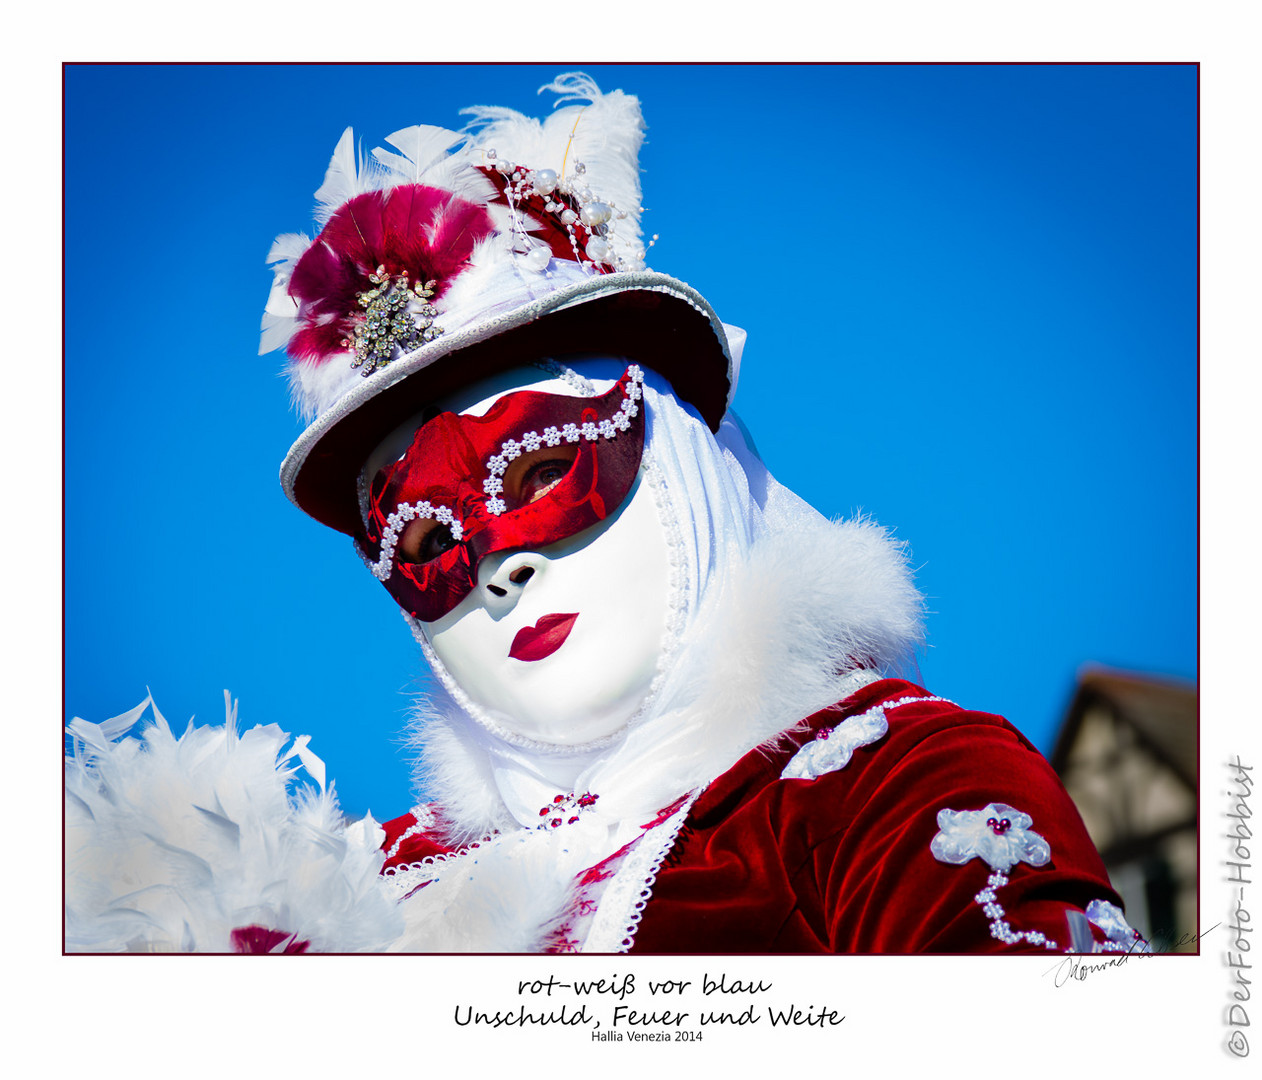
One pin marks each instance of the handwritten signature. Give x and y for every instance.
(1077, 968)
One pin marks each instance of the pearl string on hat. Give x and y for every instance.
(566, 374)
(511, 450)
(587, 219)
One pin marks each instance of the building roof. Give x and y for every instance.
(1163, 713)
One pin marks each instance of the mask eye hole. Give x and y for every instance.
(531, 476)
(423, 540)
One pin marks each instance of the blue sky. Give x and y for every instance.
(970, 293)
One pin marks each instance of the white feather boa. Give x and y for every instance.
(172, 843)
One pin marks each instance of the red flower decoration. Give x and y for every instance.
(424, 233)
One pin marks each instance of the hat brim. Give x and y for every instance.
(655, 320)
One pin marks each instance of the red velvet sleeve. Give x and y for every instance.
(881, 887)
(844, 862)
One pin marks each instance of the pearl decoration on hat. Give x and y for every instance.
(544, 181)
(595, 213)
(538, 257)
(592, 213)
(598, 250)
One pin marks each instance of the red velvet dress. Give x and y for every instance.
(847, 861)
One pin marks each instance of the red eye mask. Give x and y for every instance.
(475, 485)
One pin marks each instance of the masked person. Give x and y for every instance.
(669, 717)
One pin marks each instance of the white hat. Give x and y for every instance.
(468, 253)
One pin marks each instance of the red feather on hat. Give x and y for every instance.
(424, 232)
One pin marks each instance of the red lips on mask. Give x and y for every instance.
(459, 474)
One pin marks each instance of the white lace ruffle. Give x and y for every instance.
(625, 897)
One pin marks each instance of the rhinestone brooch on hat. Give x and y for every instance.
(397, 315)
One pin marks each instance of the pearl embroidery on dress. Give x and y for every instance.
(425, 820)
(1001, 837)
(1000, 930)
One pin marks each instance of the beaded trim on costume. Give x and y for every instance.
(677, 583)
(425, 820)
(622, 904)
(1000, 930)
(565, 809)
(566, 374)
(405, 879)
(530, 441)
(396, 522)
(1122, 937)
(1000, 836)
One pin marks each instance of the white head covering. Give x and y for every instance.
(719, 506)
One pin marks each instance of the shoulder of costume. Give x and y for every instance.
(895, 785)
(865, 735)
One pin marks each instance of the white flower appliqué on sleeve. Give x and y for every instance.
(999, 835)
(832, 748)
(1122, 937)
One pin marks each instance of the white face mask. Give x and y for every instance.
(562, 644)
